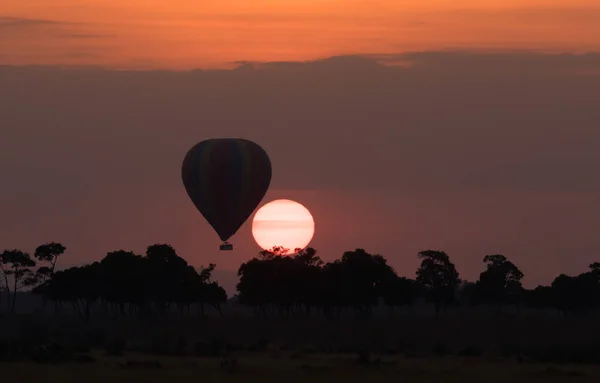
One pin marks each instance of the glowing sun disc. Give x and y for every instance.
(284, 223)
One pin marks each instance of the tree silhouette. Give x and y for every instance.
(2, 288)
(214, 295)
(253, 285)
(123, 280)
(160, 283)
(299, 283)
(275, 280)
(541, 297)
(363, 279)
(17, 264)
(49, 252)
(576, 294)
(309, 279)
(500, 283)
(80, 286)
(439, 276)
(124, 283)
(169, 275)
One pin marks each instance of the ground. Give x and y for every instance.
(290, 367)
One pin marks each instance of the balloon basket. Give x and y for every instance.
(226, 247)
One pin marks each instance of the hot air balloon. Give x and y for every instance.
(226, 178)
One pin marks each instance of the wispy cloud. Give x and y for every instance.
(20, 22)
(84, 36)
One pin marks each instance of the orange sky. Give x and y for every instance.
(190, 33)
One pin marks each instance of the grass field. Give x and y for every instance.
(476, 347)
(290, 368)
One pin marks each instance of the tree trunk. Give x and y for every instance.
(7, 294)
(88, 310)
(218, 307)
(75, 304)
(14, 300)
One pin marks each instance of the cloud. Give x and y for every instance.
(496, 62)
(85, 36)
(14, 28)
(461, 119)
(12, 24)
(7, 22)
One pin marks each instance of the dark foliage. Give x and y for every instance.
(127, 284)
(122, 283)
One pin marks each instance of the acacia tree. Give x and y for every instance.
(214, 295)
(16, 264)
(439, 276)
(49, 252)
(200, 280)
(205, 273)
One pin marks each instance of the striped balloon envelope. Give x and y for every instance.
(226, 178)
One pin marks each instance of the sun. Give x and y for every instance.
(284, 223)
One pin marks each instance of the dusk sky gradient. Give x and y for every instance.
(401, 125)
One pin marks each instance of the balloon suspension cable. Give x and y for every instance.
(226, 246)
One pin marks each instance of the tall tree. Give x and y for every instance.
(439, 276)
(500, 283)
(363, 277)
(309, 278)
(123, 279)
(168, 273)
(577, 294)
(16, 264)
(49, 252)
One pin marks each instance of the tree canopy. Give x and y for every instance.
(124, 283)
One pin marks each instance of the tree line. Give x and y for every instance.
(122, 283)
(125, 284)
